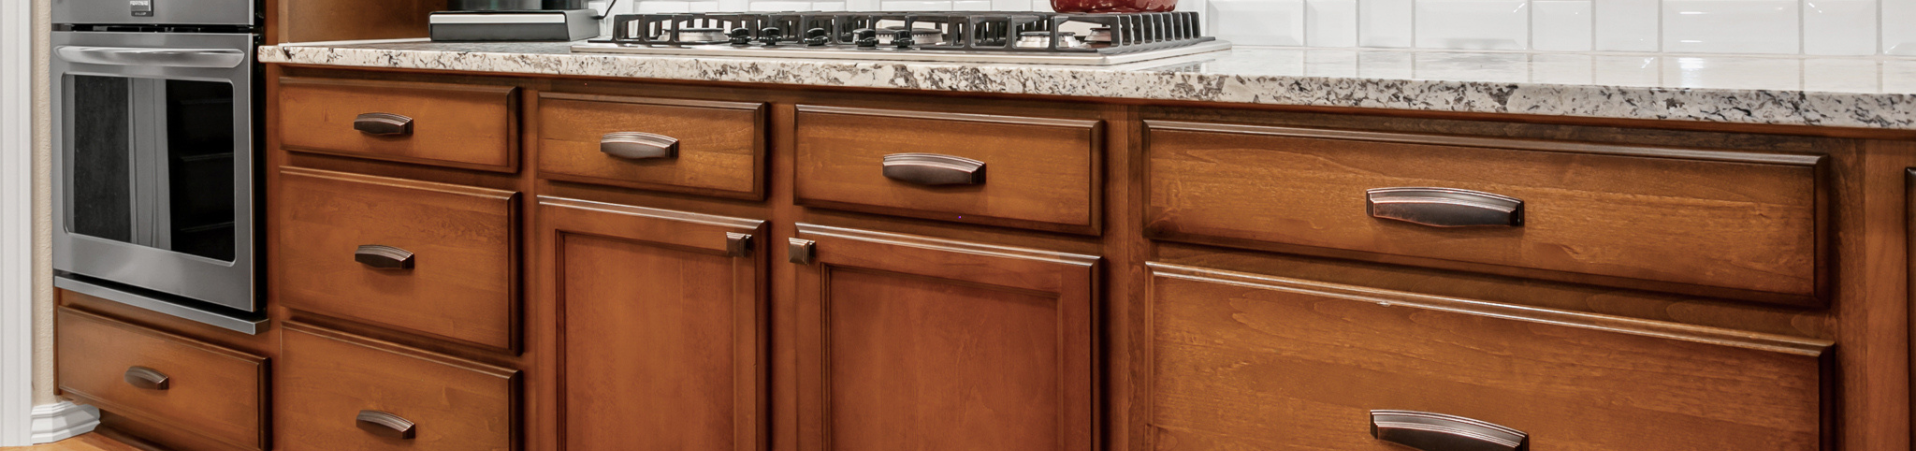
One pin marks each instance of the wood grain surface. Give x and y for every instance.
(211, 391)
(721, 144)
(463, 285)
(454, 125)
(327, 378)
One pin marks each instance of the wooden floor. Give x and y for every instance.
(88, 442)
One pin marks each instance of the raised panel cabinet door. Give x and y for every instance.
(664, 327)
(913, 343)
(1247, 361)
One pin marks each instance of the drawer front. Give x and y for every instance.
(1024, 171)
(158, 377)
(689, 146)
(344, 392)
(1250, 362)
(1728, 224)
(427, 257)
(461, 126)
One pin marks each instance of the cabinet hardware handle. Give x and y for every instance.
(383, 124)
(1444, 207)
(383, 257)
(1439, 432)
(386, 425)
(738, 244)
(932, 169)
(801, 251)
(147, 378)
(639, 146)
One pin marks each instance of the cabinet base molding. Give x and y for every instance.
(63, 420)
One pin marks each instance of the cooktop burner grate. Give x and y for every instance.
(1106, 34)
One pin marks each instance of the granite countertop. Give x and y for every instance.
(1862, 92)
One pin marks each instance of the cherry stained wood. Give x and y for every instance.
(1251, 362)
(327, 378)
(348, 20)
(1041, 173)
(453, 125)
(907, 342)
(463, 284)
(665, 327)
(1732, 224)
(211, 391)
(721, 144)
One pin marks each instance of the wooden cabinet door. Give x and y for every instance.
(662, 313)
(911, 343)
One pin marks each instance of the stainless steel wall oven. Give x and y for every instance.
(155, 125)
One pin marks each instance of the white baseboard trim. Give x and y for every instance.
(56, 422)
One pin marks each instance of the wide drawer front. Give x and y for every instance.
(427, 257)
(462, 126)
(164, 378)
(1000, 170)
(1728, 224)
(691, 146)
(345, 392)
(1250, 362)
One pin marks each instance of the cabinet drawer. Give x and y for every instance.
(1251, 362)
(346, 392)
(690, 146)
(461, 126)
(1715, 223)
(1029, 172)
(427, 257)
(158, 377)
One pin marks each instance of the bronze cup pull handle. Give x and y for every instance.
(386, 425)
(147, 378)
(383, 124)
(932, 169)
(1439, 432)
(379, 256)
(639, 146)
(1444, 207)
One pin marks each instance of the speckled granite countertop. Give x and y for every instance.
(1863, 92)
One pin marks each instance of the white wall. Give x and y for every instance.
(1788, 27)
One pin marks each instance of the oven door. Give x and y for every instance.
(153, 164)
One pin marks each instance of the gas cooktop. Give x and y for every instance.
(947, 36)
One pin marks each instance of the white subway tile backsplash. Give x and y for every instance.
(971, 5)
(1385, 23)
(1626, 70)
(780, 6)
(1473, 24)
(916, 5)
(1561, 68)
(1899, 27)
(1386, 65)
(1839, 27)
(1733, 73)
(1841, 75)
(1731, 26)
(1330, 23)
(1560, 25)
(1625, 25)
(1258, 22)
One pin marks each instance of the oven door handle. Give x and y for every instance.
(126, 56)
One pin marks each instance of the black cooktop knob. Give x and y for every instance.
(902, 39)
(770, 36)
(866, 37)
(816, 37)
(740, 36)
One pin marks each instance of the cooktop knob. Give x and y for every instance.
(770, 36)
(902, 38)
(740, 36)
(816, 37)
(866, 37)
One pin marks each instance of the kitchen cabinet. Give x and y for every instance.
(777, 268)
(665, 327)
(913, 343)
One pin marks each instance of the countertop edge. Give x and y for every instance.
(1889, 111)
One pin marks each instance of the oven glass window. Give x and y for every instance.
(152, 163)
(102, 200)
(199, 161)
